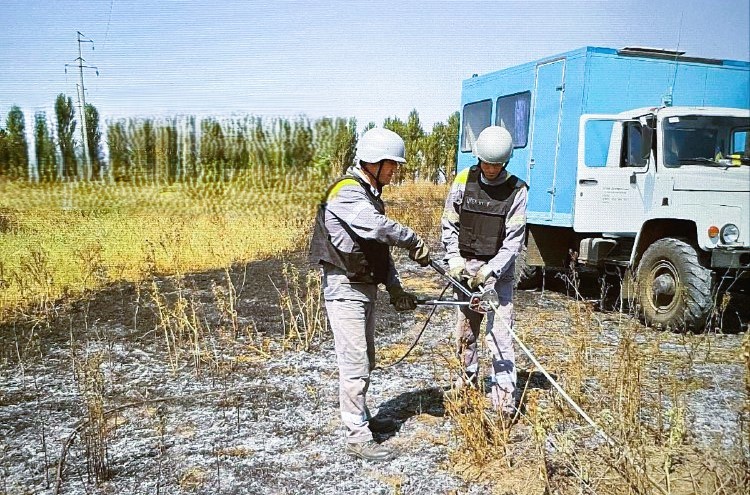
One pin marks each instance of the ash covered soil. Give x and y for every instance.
(248, 412)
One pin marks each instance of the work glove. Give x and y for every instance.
(402, 300)
(420, 253)
(480, 278)
(456, 267)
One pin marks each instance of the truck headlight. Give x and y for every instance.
(729, 233)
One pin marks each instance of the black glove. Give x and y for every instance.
(420, 253)
(402, 300)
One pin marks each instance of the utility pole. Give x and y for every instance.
(82, 101)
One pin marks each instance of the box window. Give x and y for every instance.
(477, 117)
(513, 114)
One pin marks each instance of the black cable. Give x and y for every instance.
(419, 335)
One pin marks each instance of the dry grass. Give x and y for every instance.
(635, 390)
(193, 478)
(301, 303)
(64, 239)
(69, 238)
(418, 205)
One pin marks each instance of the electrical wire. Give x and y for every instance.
(419, 335)
(109, 19)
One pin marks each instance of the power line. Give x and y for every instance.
(109, 19)
(82, 101)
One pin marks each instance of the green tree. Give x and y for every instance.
(4, 157)
(334, 142)
(345, 145)
(167, 158)
(238, 154)
(442, 150)
(142, 140)
(212, 149)
(66, 126)
(119, 151)
(46, 157)
(299, 147)
(17, 147)
(94, 138)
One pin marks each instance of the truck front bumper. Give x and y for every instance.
(730, 258)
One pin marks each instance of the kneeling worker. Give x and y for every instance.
(483, 228)
(351, 241)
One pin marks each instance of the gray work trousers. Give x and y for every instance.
(353, 324)
(497, 338)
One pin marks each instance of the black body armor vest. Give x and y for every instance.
(483, 213)
(368, 261)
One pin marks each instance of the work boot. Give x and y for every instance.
(456, 392)
(370, 451)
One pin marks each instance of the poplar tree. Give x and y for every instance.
(46, 157)
(16, 145)
(66, 126)
(3, 152)
(119, 151)
(94, 138)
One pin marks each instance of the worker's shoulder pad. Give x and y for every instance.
(519, 183)
(462, 177)
(336, 188)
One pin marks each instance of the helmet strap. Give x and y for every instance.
(379, 185)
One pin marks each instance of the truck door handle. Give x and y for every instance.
(588, 182)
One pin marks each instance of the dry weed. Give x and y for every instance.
(96, 431)
(193, 479)
(301, 303)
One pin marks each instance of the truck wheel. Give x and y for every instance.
(673, 289)
(527, 276)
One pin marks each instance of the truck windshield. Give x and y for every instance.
(707, 140)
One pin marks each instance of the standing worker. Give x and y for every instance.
(351, 241)
(483, 229)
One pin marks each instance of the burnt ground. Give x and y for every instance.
(98, 385)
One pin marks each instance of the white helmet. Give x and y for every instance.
(494, 145)
(380, 144)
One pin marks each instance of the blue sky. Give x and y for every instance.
(363, 59)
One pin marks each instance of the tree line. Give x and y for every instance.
(186, 148)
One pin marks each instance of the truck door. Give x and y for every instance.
(614, 183)
(545, 136)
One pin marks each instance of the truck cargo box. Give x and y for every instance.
(541, 103)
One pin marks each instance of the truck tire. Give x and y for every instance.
(673, 288)
(527, 276)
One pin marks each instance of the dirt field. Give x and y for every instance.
(99, 394)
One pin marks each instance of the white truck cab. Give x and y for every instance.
(668, 191)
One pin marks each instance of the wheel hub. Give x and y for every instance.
(664, 282)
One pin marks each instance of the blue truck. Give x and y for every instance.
(637, 165)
